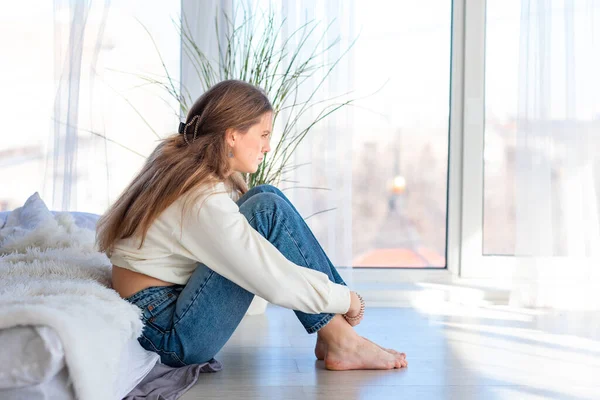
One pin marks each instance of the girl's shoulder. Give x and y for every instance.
(214, 194)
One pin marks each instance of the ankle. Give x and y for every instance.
(337, 332)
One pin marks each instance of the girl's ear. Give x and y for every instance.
(230, 137)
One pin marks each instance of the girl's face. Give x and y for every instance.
(249, 148)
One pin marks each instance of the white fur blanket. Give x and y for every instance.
(51, 275)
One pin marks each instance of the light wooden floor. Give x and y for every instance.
(455, 352)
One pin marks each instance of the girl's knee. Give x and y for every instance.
(261, 202)
(266, 188)
(266, 197)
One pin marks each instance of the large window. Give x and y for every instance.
(395, 169)
(400, 144)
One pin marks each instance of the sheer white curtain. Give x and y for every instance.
(77, 119)
(78, 39)
(321, 186)
(200, 18)
(105, 118)
(557, 159)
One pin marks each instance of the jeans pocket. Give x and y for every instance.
(158, 307)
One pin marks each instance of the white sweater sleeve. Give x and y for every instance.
(218, 235)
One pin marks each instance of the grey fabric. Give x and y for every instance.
(167, 383)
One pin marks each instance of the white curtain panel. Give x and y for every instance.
(78, 37)
(84, 119)
(557, 160)
(321, 186)
(200, 19)
(108, 118)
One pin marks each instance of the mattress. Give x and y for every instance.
(32, 365)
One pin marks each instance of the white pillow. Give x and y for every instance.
(83, 219)
(33, 212)
(36, 210)
(3, 216)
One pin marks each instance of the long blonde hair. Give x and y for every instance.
(182, 163)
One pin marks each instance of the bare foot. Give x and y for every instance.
(359, 354)
(391, 351)
(321, 350)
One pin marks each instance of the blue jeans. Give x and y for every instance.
(190, 324)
